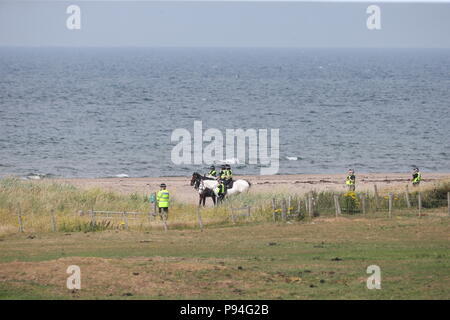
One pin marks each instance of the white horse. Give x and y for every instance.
(239, 186)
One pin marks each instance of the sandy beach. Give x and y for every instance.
(295, 184)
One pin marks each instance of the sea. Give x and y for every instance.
(107, 112)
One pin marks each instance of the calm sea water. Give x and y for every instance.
(103, 112)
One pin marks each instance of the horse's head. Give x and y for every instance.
(196, 177)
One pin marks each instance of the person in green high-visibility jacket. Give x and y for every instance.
(350, 180)
(229, 173)
(416, 177)
(223, 172)
(221, 190)
(212, 171)
(163, 199)
(228, 177)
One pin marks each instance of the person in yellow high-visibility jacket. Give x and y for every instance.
(163, 199)
(350, 180)
(416, 177)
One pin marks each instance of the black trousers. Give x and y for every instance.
(164, 210)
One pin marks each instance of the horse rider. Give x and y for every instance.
(350, 180)
(229, 172)
(222, 172)
(416, 177)
(228, 176)
(162, 199)
(221, 190)
(212, 171)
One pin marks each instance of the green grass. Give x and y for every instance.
(257, 261)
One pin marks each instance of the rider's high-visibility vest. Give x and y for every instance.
(212, 173)
(223, 174)
(221, 188)
(417, 178)
(229, 174)
(350, 180)
(162, 199)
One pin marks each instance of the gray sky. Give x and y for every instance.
(224, 23)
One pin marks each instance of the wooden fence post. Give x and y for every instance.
(249, 209)
(125, 218)
(283, 209)
(306, 204)
(299, 205)
(419, 195)
(19, 216)
(149, 217)
(274, 208)
(289, 205)
(199, 217)
(233, 218)
(93, 211)
(408, 202)
(377, 204)
(391, 196)
(154, 204)
(163, 217)
(337, 206)
(310, 205)
(448, 203)
(363, 203)
(52, 212)
(92, 215)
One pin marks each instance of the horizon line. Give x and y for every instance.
(305, 1)
(208, 47)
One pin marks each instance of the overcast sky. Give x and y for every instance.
(225, 23)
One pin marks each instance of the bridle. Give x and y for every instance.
(196, 180)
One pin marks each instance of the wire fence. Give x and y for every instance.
(277, 209)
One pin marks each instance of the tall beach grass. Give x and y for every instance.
(37, 201)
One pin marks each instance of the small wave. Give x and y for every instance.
(229, 161)
(292, 158)
(5, 165)
(122, 175)
(33, 177)
(37, 176)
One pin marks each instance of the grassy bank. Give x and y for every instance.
(323, 259)
(36, 202)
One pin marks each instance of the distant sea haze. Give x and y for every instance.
(93, 112)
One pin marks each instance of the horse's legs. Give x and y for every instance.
(204, 200)
(214, 199)
(200, 200)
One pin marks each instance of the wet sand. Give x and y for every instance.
(295, 184)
